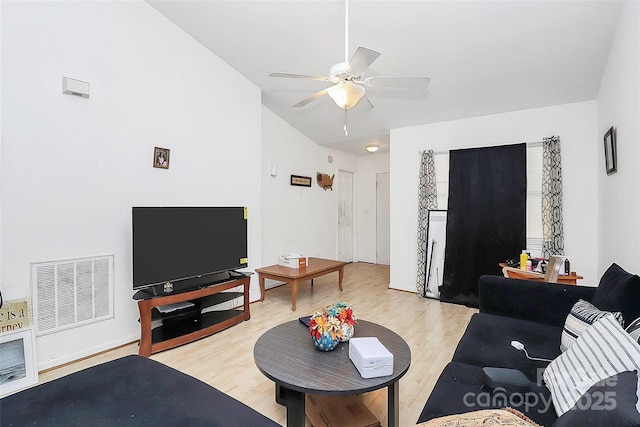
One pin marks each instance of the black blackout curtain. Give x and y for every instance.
(486, 219)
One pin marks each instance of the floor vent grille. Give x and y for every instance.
(71, 293)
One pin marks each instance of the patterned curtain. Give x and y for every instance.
(427, 200)
(552, 228)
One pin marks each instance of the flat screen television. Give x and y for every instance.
(189, 247)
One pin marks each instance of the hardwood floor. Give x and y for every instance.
(225, 360)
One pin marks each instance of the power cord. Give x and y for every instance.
(519, 346)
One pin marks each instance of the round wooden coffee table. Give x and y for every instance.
(286, 355)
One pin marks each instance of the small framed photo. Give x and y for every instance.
(17, 361)
(301, 181)
(161, 158)
(610, 155)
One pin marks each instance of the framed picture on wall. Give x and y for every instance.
(161, 158)
(17, 361)
(301, 181)
(610, 155)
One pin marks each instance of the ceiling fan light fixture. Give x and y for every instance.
(372, 148)
(346, 94)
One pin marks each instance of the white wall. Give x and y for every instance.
(576, 126)
(72, 168)
(298, 219)
(368, 167)
(619, 106)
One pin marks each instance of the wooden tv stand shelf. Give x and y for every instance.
(188, 324)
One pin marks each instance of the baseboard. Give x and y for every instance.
(74, 357)
(402, 288)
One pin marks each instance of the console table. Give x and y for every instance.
(286, 355)
(315, 267)
(191, 323)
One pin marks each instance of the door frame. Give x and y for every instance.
(338, 201)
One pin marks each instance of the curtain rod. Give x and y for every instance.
(529, 144)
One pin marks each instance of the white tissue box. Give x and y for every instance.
(372, 359)
(292, 261)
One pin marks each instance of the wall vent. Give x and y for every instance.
(71, 293)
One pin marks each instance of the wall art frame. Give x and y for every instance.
(17, 361)
(161, 157)
(300, 181)
(610, 151)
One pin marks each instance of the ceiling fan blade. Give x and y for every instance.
(361, 60)
(311, 98)
(367, 105)
(399, 82)
(299, 76)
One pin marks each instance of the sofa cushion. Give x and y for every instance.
(583, 314)
(633, 329)
(609, 403)
(506, 417)
(487, 343)
(540, 302)
(460, 389)
(618, 291)
(604, 349)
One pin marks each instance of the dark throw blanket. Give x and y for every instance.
(131, 391)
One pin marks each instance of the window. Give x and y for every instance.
(534, 199)
(534, 193)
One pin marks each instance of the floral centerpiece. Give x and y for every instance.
(331, 325)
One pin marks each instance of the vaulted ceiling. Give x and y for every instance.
(483, 57)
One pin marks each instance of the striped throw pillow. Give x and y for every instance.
(583, 314)
(634, 329)
(604, 349)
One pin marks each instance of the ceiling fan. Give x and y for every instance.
(348, 77)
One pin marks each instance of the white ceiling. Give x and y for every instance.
(483, 57)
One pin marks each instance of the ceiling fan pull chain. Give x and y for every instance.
(346, 132)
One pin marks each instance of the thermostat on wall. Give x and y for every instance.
(75, 87)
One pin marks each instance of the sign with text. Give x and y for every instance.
(15, 315)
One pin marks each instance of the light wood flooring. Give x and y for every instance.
(225, 360)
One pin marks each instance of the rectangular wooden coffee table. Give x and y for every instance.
(315, 267)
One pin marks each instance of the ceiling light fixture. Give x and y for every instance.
(372, 148)
(346, 94)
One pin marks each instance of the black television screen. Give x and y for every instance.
(173, 244)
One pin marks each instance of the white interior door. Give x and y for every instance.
(382, 219)
(345, 216)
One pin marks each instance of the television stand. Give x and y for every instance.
(192, 322)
